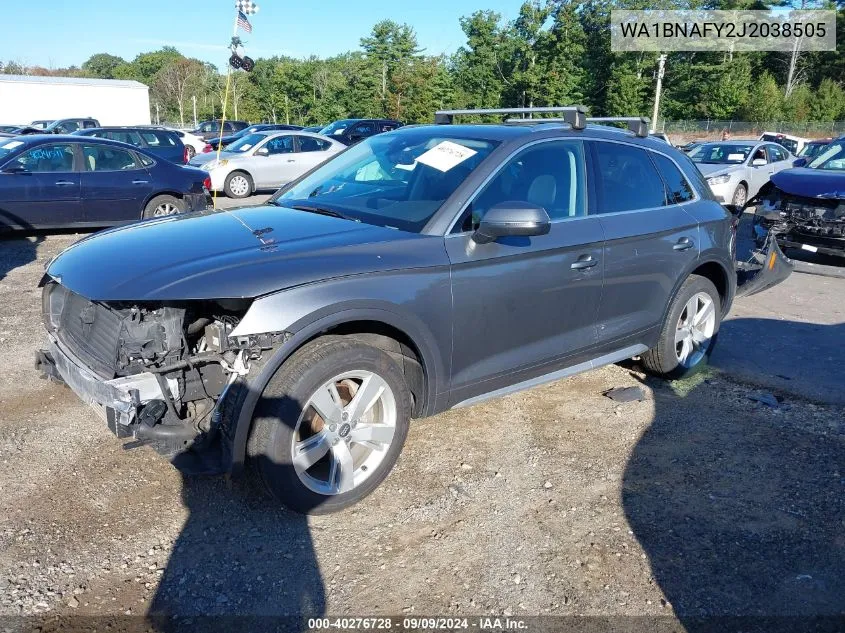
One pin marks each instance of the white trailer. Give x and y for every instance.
(24, 99)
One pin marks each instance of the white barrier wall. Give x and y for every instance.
(25, 99)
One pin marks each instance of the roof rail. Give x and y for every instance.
(576, 116)
(637, 124)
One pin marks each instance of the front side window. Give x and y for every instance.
(130, 137)
(107, 158)
(67, 127)
(337, 128)
(89, 124)
(397, 181)
(548, 175)
(363, 129)
(832, 158)
(678, 189)
(776, 153)
(759, 154)
(46, 159)
(210, 126)
(280, 145)
(627, 179)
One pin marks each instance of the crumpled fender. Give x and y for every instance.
(768, 267)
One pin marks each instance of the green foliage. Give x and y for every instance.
(829, 101)
(765, 102)
(102, 65)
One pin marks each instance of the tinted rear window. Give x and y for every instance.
(627, 179)
(678, 188)
(159, 139)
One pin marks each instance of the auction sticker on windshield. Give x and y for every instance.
(445, 155)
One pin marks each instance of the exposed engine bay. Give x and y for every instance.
(815, 224)
(158, 372)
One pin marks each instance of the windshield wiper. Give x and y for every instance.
(322, 211)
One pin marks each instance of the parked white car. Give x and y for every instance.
(793, 143)
(265, 160)
(735, 170)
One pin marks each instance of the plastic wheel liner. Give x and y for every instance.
(766, 268)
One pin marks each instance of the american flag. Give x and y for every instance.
(243, 22)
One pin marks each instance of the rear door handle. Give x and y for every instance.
(291, 160)
(64, 183)
(683, 244)
(584, 262)
(140, 182)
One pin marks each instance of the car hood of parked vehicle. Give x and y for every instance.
(240, 253)
(207, 157)
(811, 183)
(709, 170)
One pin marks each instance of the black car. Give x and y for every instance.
(217, 142)
(209, 129)
(351, 131)
(59, 126)
(162, 143)
(63, 181)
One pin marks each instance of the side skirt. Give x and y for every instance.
(606, 359)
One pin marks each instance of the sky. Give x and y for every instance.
(60, 33)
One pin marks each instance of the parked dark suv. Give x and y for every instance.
(423, 269)
(165, 144)
(351, 131)
(210, 129)
(59, 126)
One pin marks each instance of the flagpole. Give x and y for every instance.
(225, 102)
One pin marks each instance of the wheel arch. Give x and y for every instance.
(715, 270)
(153, 196)
(395, 333)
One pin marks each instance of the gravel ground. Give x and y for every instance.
(697, 501)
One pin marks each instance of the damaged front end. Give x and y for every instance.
(157, 372)
(811, 223)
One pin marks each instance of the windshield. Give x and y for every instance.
(812, 149)
(721, 153)
(245, 143)
(337, 128)
(832, 158)
(8, 147)
(40, 124)
(398, 181)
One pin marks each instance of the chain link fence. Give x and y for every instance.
(713, 129)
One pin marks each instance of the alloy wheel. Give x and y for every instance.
(695, 329)
(165, 208)
(344, 432)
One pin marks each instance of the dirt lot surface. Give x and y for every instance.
(697, 501)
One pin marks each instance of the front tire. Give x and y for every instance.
(689, 332)
(740, 196)
(330, 425)
(238, 185)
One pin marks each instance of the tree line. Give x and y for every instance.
(555, 52)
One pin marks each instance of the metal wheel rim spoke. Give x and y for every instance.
(356, 414)
(165, 209)
(238, 185)
(695, 328)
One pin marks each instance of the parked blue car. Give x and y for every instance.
(52, 181)
(805, 206)
(165, 144)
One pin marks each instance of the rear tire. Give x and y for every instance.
(162, 206)
(324, 457)
(238, 185)
(689, 332)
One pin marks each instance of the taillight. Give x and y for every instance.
(207, 183)
(207, 149)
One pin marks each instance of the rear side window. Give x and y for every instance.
(678, 189)
(159, 139)
(107, 158)
(146, 161)
(626, 179)
(89, 124)
(124, 136)
(311, 144)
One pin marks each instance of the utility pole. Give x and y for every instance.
(660, 70)
(158, 118)
(194, 99)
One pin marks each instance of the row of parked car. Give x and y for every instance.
(77, 173)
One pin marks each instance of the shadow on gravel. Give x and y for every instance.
(241, 562)
(741, 515)
(17, 251)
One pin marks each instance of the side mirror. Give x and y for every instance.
(262, 151)
(801, 162)
(14, 169)
(512, 218)
(759, 162)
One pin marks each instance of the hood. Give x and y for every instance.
(207, 157)
(716, 170)
(241, 253)
(811, 183)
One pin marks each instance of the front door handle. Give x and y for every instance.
(291, 160)
(683, 244)
(584, 262)
(140, 182)
(64, 183)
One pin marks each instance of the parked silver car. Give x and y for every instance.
(265, 160)
(735, 170)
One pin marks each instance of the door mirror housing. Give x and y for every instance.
(513, 218)
(262, 151)
(14, 169)
(759, 162)
(800, 162)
